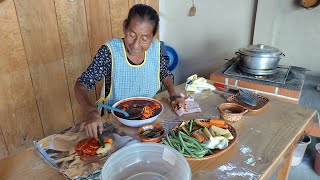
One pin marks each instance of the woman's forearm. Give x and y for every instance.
(83, 99)
(167, 82)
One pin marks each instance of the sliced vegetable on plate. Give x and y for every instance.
(201, 139)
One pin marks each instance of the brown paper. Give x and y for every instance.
(59, 151)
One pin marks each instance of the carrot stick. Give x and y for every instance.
(209, 124)
(223, 126)
(206, 124)
(196, 127)
(198, 137)
(108, 140)
(216, 122)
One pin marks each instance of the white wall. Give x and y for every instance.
(291, 28)
(202, 42)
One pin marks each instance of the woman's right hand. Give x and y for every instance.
(93, 124)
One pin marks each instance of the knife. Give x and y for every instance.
(226, 89)
(101, 140)
(247, 97)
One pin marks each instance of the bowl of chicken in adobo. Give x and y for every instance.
(141, 110)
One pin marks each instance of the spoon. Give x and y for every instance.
(136, 111)
(113, 109)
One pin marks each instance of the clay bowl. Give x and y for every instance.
(215, 152)
(231, 111)
(150, 127)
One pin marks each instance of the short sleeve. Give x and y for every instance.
(100, 67)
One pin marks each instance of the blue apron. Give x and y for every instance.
(129, 80)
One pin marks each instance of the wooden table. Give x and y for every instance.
(270, 135)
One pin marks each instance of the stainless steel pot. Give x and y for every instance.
(259, 59)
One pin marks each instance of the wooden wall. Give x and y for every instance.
(44, 47)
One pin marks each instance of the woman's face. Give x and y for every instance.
(138, 37)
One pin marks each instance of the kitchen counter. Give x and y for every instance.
(265, 143)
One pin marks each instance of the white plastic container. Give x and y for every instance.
(145, 161)
(300, 150)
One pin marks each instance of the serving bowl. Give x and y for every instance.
(137, 122)
(231, 111)
(150, 127)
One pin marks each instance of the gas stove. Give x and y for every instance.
(285, 84)
(280, 75)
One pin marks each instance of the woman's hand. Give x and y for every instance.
(93, 124)
(93, 121)
(178, 102)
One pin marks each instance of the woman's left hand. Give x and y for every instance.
(178, 102)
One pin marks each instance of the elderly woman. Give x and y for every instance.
(132, 66)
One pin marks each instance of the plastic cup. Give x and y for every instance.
(145, 161)
(300, 150)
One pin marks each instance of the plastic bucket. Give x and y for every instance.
(145, 161)
(300, 150)
(316, 166)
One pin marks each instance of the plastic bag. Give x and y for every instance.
(190, 106)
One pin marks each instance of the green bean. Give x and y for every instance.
(165, 142)
(168, 139)
(194, 123)
(182, 149)
(183, 144)
(193, 149)
(209, 150)
(186, 155)
(175, 140)
(201, 152)
(173, 134)
(200, 155)
(190, 127)
(177, 148)
(193, 140)
(191, 145)
(176, 144)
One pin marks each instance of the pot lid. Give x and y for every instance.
(261, 50)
